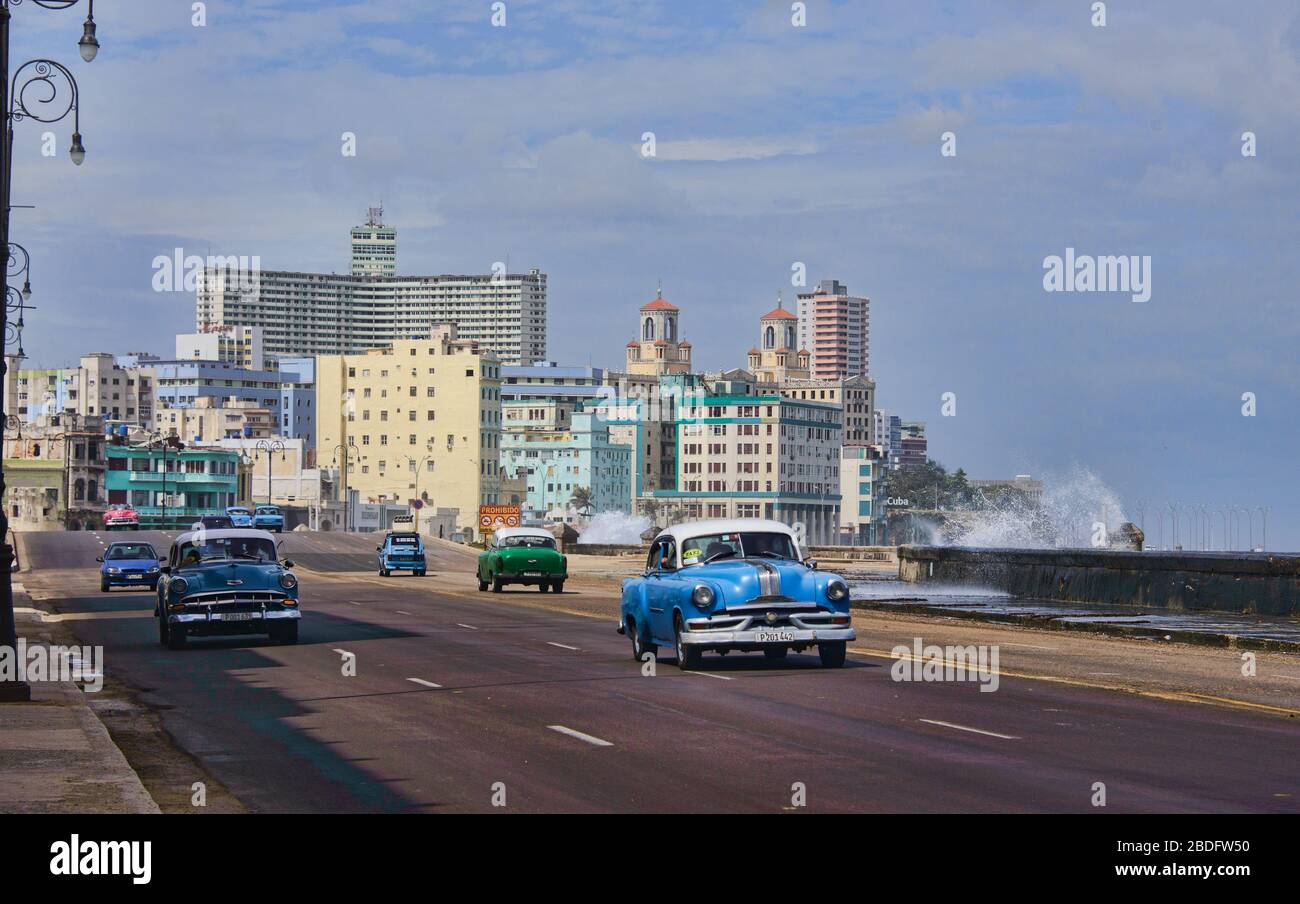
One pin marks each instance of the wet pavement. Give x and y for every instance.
(875, 592)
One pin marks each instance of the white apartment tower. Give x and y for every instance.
(344, 314)
(374, 246)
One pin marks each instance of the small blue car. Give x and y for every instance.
(735, 585)
(223, 582)
(240, 516)
(268, 517)
(402, 551)
(128, 565)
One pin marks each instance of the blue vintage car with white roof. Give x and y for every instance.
(222, 582)
(240, 516)
(734, 585)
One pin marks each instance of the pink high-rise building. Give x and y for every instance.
(835, 327)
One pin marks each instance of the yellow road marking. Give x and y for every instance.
(1178, 696)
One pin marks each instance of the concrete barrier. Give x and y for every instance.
(855, 553)
(1242, 583)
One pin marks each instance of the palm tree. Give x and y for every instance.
(582, 500)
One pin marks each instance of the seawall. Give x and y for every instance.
(1242, 583)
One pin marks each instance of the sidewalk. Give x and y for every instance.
(55, 755)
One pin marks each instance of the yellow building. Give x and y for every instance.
(420, 419)
(658, 348)
(777, 361)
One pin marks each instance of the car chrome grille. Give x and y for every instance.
(236, 600)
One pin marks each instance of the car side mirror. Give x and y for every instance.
(288, 563)
(99, 558)
(811, 563)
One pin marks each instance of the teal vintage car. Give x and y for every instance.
(522, 555)
(224, 582)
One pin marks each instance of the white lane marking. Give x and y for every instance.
(711, 675)
(354, 603)
(991, 734)
(471, 627)
(402, 612)
(562, 646)
(1032, 646)
(423, 682)
(590, 739)
(1289, 677)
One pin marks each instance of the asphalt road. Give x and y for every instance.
(457, 691)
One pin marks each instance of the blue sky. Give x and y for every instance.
(775, 144)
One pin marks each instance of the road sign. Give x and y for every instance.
(494, 517)
(417, 504)
(403, 519)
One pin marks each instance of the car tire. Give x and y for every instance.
(832, 654)
(557, 587)
(103, 586)
(420, 573)
(176, 637)
(383, 572)
(639, 645)
(285, 635)
(543, 586)
(688, 657)
(162, 631)
(482, 585)
(496, 585)
(776, 654)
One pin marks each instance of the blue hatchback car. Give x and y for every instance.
(128, 565)
(268, 517)
(734, 586)
(402, 551)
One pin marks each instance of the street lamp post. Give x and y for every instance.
(269, 446)
(418, 466)
(38, 97)
(346, 449)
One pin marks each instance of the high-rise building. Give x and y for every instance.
(835, 326)
(372, 307)
(419, 419)
(374, 246)
(862, 493)
(915, 447)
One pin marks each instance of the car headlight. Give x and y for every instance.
(836, 591)
(114, 571)
(288, 581)
(178, 586)
(702, 596)
(153, 570)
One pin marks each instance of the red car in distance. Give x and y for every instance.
(121, 517)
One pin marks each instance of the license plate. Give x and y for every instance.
(774, 636)
(240, 616)
(134, 577)
(532, 574)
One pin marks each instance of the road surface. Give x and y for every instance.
(458, 694)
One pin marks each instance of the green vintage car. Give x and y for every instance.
(522, 555)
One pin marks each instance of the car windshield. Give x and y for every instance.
(218, 549)
(236, 511)
(267, 510)
(742, 545)
(527, 542)
(131, 551)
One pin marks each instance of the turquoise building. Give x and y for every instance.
(170, 488)
(556, 449)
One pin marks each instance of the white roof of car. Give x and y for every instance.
(225, 533)
(523, 532)
(688, 529)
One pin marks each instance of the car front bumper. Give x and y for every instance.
(200, 623)
(136, 579)
(757, 638)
